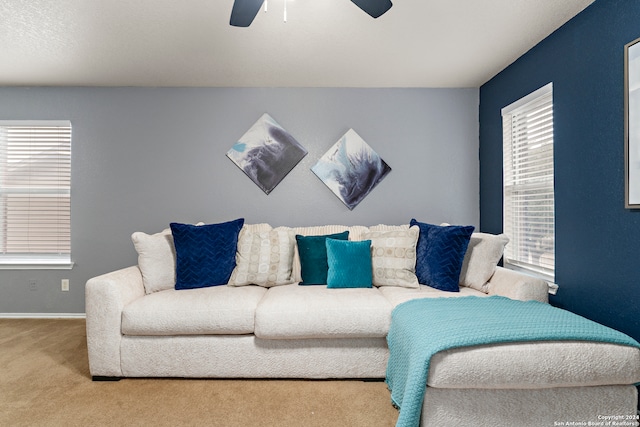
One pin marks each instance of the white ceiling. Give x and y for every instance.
(324, 43)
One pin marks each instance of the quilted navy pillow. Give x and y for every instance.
(440, 252)
(313, 257)
(349, 264)
(205, 254)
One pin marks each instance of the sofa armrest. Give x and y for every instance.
(519, 286)
(105, 298)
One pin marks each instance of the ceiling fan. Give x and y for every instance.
(244, 11)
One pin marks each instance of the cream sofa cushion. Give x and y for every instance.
(393, 257)
(385, 227)
(320, 230)
(156, 260)
(533, 365)
(302, 312)
(257, 228)
(264, 258)
(397, 295)
(203, 311)
(480, 260)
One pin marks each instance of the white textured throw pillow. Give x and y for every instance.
(480, 261)
(264, 258)
(393, 257)
(156, 260)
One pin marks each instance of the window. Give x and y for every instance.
(35, 189)
(528, 186)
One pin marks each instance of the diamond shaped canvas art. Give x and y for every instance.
(266, 153)
(351, 169)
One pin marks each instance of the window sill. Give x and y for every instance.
(30, 265)
(553, 287)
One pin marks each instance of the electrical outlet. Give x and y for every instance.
(64, 285)
(33, 285)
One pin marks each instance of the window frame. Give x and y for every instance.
(518, 107)
(35, 260)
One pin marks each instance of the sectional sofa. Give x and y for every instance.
(267, 320)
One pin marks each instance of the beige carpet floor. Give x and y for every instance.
(45, 381)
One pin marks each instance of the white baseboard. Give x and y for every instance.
(43, 315)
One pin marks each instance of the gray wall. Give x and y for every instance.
(144, 157)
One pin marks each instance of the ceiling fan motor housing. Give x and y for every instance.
(244, 11)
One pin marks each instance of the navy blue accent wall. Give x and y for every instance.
(597, 239)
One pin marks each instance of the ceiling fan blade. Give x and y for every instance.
(375, 8)
(244, 11)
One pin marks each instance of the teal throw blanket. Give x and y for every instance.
(421, 328)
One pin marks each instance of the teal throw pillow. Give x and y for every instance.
(440, 252)
(205, 254)
(313, 257)
(349, 264)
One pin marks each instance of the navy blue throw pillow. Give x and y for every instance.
(440, 252)
(205, 254)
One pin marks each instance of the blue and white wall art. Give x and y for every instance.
(351, 169)
(266, 153)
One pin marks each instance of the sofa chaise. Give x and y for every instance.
(140, 325)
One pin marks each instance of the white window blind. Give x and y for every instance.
(529, 213)
(35, 189)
